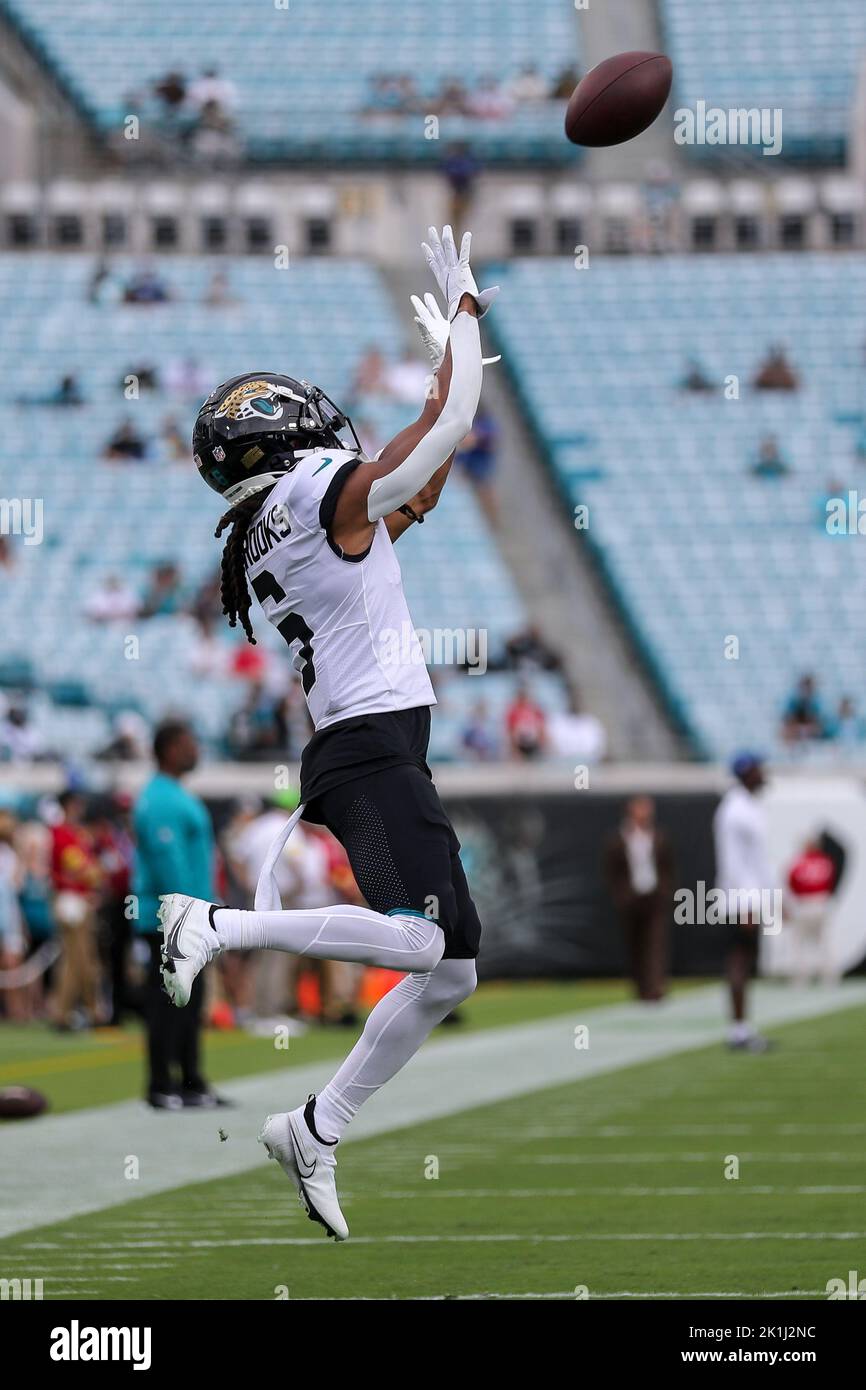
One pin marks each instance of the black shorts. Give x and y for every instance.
(386, 813)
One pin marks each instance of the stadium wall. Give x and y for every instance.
(533, 848)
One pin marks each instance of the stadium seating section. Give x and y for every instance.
(305, 70)
(104, 518)
(801, 57)
(697, 548)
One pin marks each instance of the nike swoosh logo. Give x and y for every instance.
(301, 1158)
(172, 948)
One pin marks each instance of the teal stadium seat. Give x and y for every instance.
(694, 547)
(792, 54)
(303, 71)
(102, 518)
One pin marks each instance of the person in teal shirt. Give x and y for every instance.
(174, 853)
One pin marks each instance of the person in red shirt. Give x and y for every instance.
(111, 841)
(811, 884)
(76, 878)
(526, 724)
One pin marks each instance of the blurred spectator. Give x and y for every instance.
(476, 457)
(173, 443)
(7, 555)
(248, 663)
(33, 844)
(460, 169)
(128, 742)
(111, 601)
(207, 653)
(527, 650)
(174, 854)
(125, 444)
(369, 378)
(803, 717)
(526, 725)
(69, 392)
(211, 91)
(776, 373)
(213, 139)
(18, 741)
(171, 93)
(164, 592)
(303, 878)
(207, 602)
(489, 101)
(187, 378)
(146, 376)
(694, 377)
(390, 95)
(108, 822)
(451, 99)
(76, 879)
(638, 866)
(847, 726)
(258, 727)
(479, 737)
(12, 941)
(811, 884)
(745, 876)
(218, 293)
(769, 463)
(146, 287)
(406, 379)
(574, 733)
(529, 85)
(565, 84)
(103, 286)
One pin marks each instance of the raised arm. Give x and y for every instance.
(416, 460)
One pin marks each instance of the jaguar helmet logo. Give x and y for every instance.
(254, 400)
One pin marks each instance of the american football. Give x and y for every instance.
(432, 670)
(20, 1103)
(618, 99)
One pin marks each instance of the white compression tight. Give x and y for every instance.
(405, 941)
(392, 1035)
(400, 1022)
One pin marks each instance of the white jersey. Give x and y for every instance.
(740, 829)
(345, 617)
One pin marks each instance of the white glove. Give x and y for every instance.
(434, 329)
(452, 272)
(432, 326)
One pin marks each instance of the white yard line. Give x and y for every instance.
(66, 1165)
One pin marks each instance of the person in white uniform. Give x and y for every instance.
(313, 526)
(744, 874)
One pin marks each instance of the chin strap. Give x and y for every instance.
(267, 893)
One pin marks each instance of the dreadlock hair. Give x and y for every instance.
(234, 591)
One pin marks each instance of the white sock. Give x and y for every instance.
(740, 1031)
(392, 1034)
(405, 941)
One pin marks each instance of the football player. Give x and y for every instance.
(313, 525)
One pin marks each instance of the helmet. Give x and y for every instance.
(252, 429)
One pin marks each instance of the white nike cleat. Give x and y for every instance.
(309, 1163)
(189, 942)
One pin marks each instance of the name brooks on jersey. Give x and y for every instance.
(271, 527)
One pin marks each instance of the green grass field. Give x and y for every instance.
(616, 1184)
(77, 1070)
